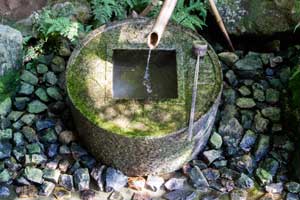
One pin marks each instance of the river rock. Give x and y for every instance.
(245, 102)
(34, 174)
(215, 140)
(26, 89)
(5, 176)
(249, 66)
(29, 77)
(245, 182)
(273, 113)
(5, 106)
(275, 188)
(82, 179)
(272, 95)
(262, 147)
(175, 184)
(197, 178)
(293, 187)
(46, 188)
(36, 107)
(154, 182)
(212, 155)
(248, 140)
(229, 58)
(66, 181)
(98, 175)
(42, 94)
(4, 192)
(51, 175)
(5, 150)
(263, 176)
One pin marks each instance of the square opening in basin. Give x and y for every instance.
(129, 68)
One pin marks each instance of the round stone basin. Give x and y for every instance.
(120, 123)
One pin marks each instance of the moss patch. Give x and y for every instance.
(8, 84)
(89, 83)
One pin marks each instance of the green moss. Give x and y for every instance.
(8, 84)
(131, 117)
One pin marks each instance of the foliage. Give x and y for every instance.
(294, 86)
(191, 13)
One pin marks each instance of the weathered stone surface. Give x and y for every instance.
(245, 102)
(244, 17)
(66, 181)
(216, 140)
(154, 182)
(175, 184)
(82, 179)
(248, 140)
(228, 58)
(197, 178)
(36, 107)
(250, 66)
(115, 179)
(34, 174)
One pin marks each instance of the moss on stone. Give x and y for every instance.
(92, 65)
(8, 84)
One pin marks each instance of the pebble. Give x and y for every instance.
(42, 69)
(28, 119)
(272, 113)
(29, 77)
(97, 175)
(50, 78)
(263, 176)
(175, 184)
(244, 102)
(212, 155)
(5, 107)
(4, 192)
(154, 182)
(54, 93)
(215, 140)
(181, 194)
(51, 175)
(5, 176)
(115, 196)
(262, 147)
(136, 183)
(245, 182)
(275, 188)
(6, 134)
(197, 178)
(293, 187)
(66, 137)
(26, 89)
(115, 179)
(238, 194)
(34, 174)
(137, 196)
(44, 124)
(5, 149)
(15, 115)
(82, 179)
(21, 102)
(88, 195)
(42, 94)
(46, 188)
(66, 181)
(248, 140)
(36, 107)
(61, 193)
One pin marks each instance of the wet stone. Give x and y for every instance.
(66, 181)
(21, 102)
(15, 115)
(76, 165)
(212, 155)
(5, 106)
(28, 119)
(245, 182)
(248, 140)
(211, 174)
(27, 191)
(275, 188)
(42, 69)
(44, 124)
(231, 78)
(137, 196)
(29, 77)
(244, 90)
(215, 140)
(49, 136)
(18, 125)
(34, 174)
(42, 94)
(88, 161)
(263, 176)
(50, 78)
(273, 113)
(115, 196)
(262, 147)
(260, 123)
(64, 150)
(98, 175)
(6, 134)
(293, 187)
(36, 107)
(88, 195)
(228, 58)
(52, 150)
(51, 175)
(58, 64)
(272, 95)
(82, 179)
(4, 192)
(19, 152)
(154, 182)
(271, 165)
(245, 102)
(5, 150)
(180, 194)
(46, 188)
(259, 95)
(229, 96)
(29, 133)
(136, 183)
(175, 184)
(5, 176)
(54, 93)
(244, 163)
(197, 178)
(61, 193)
(77, 150)
(26, 89)
(35, 159)
(4, 123)
(115, 179)
(34, 148)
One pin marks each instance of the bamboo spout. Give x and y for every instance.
(161, 23)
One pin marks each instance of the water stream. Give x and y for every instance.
(147, 81)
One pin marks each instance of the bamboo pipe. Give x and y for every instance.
(161, 23)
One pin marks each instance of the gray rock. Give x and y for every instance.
(229, 95)
(82, 179)
(18, 139)
(42, 94)
(292, 196)
(260, 123)
(35, 159)
(293, 187)
(15, 115)
(285, 74)
(51, 175)
(273, 113)
(30, 134)
(215, 140)
(4, 192)
(33, 174)
(5, 176)
(54, 93)
(181, 194)
(238, 194)
(49, 136)
(244, 102)
(42, 69)
(46, 188)
(66, 181)
(197, 178)
(6, 134)
(5, 150)
(66, 137)
(211, 174)
(231, 78)
(250, 66)
(271, 165)
(262, 147)
(26, 89)
(244, 163)
(259, 95)
(50, 78)
(154, 182)
(175, 184)
(212, 155)
(228, 58)
(29, 77)
(245, 182)
(5, 107)
(58, 64)
(248, 140)
(88, 195)
(28, 119)
(98, 175)
(34, 148)
(21, 102)
(19, 152)
(36, 107)
(244, 90)
(275, 188)
(115, 179)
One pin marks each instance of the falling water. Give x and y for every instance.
(147, 81)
